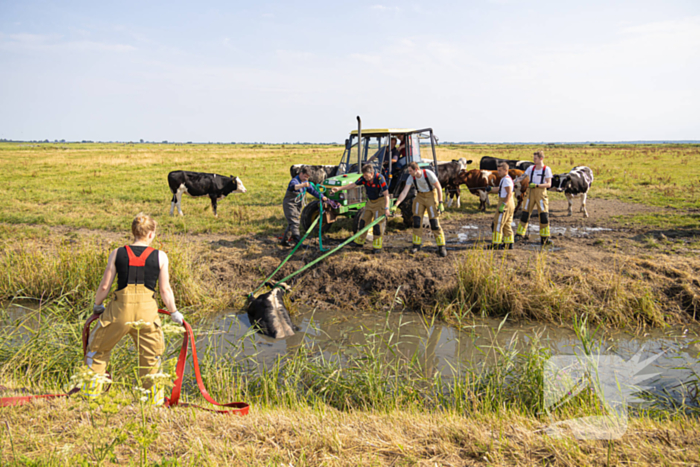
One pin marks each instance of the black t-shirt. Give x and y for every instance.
(152, 268)
(373, 188)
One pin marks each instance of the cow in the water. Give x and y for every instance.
(574, 184)
(269, 314)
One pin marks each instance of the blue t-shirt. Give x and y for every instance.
(296, 181)
(375, 187)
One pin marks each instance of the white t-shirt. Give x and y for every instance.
(538, 174)
(505, 182)
(423, 185)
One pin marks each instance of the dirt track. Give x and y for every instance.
(358, 279)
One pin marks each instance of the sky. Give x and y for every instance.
(227, 71)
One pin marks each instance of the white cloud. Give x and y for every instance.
(385, 8)
(37, 42)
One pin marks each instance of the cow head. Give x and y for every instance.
(234, 185)
(463, 163)
(560, 182)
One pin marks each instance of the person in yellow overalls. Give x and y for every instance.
(133, 309)
(377, 192)
(428, 200)
(502, 228)
(540, 179)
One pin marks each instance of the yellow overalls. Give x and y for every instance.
(131, 304)
(426, 202)
(374, 208)
(536, 198)
(502, 228)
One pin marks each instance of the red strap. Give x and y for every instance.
(239, 408)
(139, 261)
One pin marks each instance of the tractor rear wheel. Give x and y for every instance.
(308, 216)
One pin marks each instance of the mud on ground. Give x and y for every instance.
(665, 260)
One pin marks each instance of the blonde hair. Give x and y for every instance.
(142, 225)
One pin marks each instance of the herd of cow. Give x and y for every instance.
(451, 175)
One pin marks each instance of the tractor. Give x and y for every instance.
(372, 147)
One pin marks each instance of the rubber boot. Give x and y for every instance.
(415, 248)
(442, 251)
(495, 246)
(545, 241)
(356, 245)
(376, 251)
(294, 240)
(518, 238)
(507, 246)
(285, 240)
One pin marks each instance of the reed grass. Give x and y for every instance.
(488, 285)
(69, 271)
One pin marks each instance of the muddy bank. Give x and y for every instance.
(584, 249)
(660, 267)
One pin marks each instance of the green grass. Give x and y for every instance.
(102, 186)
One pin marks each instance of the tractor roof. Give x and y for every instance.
(384, 131)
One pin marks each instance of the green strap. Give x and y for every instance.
(313, 224)
(372, 224)
(320, 216)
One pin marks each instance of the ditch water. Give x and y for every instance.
(673, 371)
(439, 348)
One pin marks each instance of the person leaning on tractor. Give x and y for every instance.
(540, 179)
(502, 228)
(378, 205)
(428, 199)
(293, 200)
(133, 309)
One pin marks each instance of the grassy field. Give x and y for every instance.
(102, 186)
(365, 407)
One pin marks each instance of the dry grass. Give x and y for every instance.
(47, 268)
(485, 285)
(60, 433)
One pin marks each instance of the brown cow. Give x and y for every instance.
(483, 178)
(477, 179)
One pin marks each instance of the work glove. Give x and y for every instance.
(98, 309)
(501, 207)
(488, 189)
(441, 207)
(533, 185)
(393, 209)
(177, 317)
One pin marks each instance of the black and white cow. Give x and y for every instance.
(574, 184)
(317, 173)
(491, 163)
(216, 187)
(269, 314)
(447, 173)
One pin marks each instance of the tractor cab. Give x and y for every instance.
(374, 146)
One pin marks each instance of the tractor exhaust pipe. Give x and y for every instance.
(359, 144)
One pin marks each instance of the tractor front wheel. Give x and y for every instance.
(308, 216)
